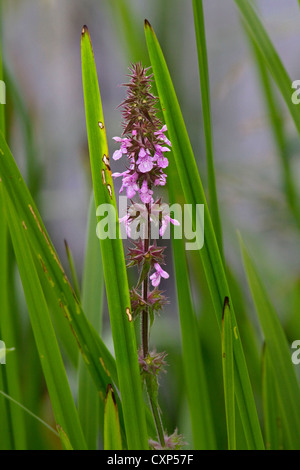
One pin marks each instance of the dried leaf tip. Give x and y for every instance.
(147, 24)
(226, 304)
(84, 30)
(109, 388)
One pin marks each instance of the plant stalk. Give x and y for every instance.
(145, 314)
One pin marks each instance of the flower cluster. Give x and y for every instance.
(173, 442)
(153, 363)
(144, 143)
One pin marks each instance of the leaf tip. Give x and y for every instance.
(84, 30)
(147, 24)
(109, 389)
(226, 305)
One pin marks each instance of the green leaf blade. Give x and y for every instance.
(279, 353)
(112, 433)
(210, 255)
(206, 113)
(270, 405)
(271, 57)
(195, 379)
(116, 282)
(50, 357)
(228, 375)
(89, 404)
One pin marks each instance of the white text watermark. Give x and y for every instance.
(135, 222)
(2, 352)
(2, 92)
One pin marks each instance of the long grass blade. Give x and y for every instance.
(270, 55)
(116, 282)
(277, 127)
(55, 375)
(272, 419)
(210, 255)
(74, 276)
(206, 113)
(228, 375)
(112, 433)
(34, 170)
(65, 336)
(197, 391)
(279, 353)
(92, 303)
(97, 358)
(26, 410)
(13, 420)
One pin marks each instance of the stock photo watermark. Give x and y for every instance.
(296, 354)
(296, 95)
(140, 221)
(2, 352)
(2, 92)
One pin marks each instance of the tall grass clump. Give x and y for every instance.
(154, 343)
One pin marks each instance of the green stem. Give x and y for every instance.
(145, 314)
(145, 340)
(155, 412)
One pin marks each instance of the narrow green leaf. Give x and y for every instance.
(92, 302)
(112, 433)
(272, 420)
(96, 356)
(34, 169)
(206, 113)
(210, 255)
(59, 390)
(127, 28)
(116, 282)
(228, 374)
(66, 337)
(279, 353)
(26, 410)
(272, 59)
(277, 126)
(197, 391)
(73, 270)
(64, 438)
(13, 420)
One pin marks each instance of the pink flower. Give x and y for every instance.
(145, 193)
(144, 161)
(161, 161)
(165, 222)
(126, 222)
(129, 182)
(156, 277)
(161, 136)
(124, 144)
(161, 181)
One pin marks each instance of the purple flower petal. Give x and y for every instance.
(162, 162)
(160, 271)
(155, 279)
(145, 166)
(142, 153)
(117, 154)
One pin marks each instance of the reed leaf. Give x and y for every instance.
(114, 268)
(279, 353)
(210, 255)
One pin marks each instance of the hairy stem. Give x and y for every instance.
(156, 413)
(145, 314)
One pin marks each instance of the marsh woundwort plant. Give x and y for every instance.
(144, 143)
